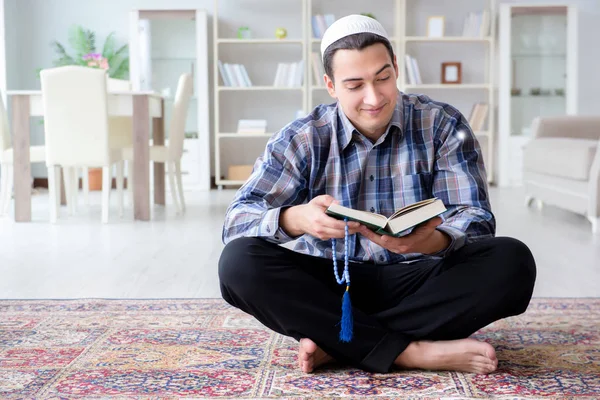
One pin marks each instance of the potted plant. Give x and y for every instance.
(83, 42)
(113, 59)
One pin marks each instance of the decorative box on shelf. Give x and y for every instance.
(239, 172)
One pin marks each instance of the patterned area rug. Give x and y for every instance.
(141, 349)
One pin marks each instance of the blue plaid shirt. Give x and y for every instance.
(428, 150)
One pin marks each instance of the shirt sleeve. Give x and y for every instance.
(460, 182)
(276, 182)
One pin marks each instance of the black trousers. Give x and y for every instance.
(435, 299)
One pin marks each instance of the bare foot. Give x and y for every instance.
(465, 355)
(310, 356)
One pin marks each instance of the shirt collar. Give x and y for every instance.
(346, 128)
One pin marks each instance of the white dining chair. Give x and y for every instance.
(77, 132)
(171, 154)
(120, 132)
(36, 154)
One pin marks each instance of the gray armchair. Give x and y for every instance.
(561, 165)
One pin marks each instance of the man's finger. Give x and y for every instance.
(435, 221)
(369, 234)
(324, 200)
(429, 224)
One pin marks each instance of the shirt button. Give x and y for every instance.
(381, 258)
(268, 229)
(277, 237)
(371, 178)
(372, 209)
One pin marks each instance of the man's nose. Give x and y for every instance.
(372, 96)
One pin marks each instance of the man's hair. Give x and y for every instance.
(358, 41)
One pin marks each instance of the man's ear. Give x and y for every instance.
(330, 86)
(396, 67)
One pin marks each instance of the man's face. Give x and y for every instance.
(365, 87)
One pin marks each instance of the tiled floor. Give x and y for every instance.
(176, 256)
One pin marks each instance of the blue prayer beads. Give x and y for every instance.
(345, 274)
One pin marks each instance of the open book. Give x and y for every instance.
(396, 225)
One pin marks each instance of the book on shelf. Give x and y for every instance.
(244, 74)
(224, 74)
(478, 116)
(412, 70)
(477, 24)
(398, 224)
(320, 23)
(234, 75)
(252, 126)
(289, 74)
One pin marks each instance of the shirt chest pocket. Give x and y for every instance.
(411, 188)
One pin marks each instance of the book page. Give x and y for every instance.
(415, 216)
(411, 207)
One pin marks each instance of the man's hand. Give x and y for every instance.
(423, 239)
(310, 218)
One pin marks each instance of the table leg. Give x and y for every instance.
(22, 164)
(63, 195)
(141, 158)
(158, 139)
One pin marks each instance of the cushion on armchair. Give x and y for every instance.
(565, 157)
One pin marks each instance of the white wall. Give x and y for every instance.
(32, 24)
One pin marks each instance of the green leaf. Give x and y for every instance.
(122, 71)
(82, 41)
(62, 53)
(91, 40)
(109, 46)
(116, 62)
(114, 65)
(119, 52)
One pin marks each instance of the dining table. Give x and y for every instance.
(146, 108)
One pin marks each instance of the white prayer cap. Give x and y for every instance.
(350, 25)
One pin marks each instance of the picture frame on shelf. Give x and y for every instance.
(435, 26)
(451, 72)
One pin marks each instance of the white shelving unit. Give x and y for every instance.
(446, 39)
(475, 54)
(257, 88)
(259, 41)
(262, 94)
(405, 22)
(538, 75)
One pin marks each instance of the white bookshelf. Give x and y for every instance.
(450, 86)
(404, 21)
(259, 41)
(476, 55)
(258, 88)
(262, 100)
(447, 39)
